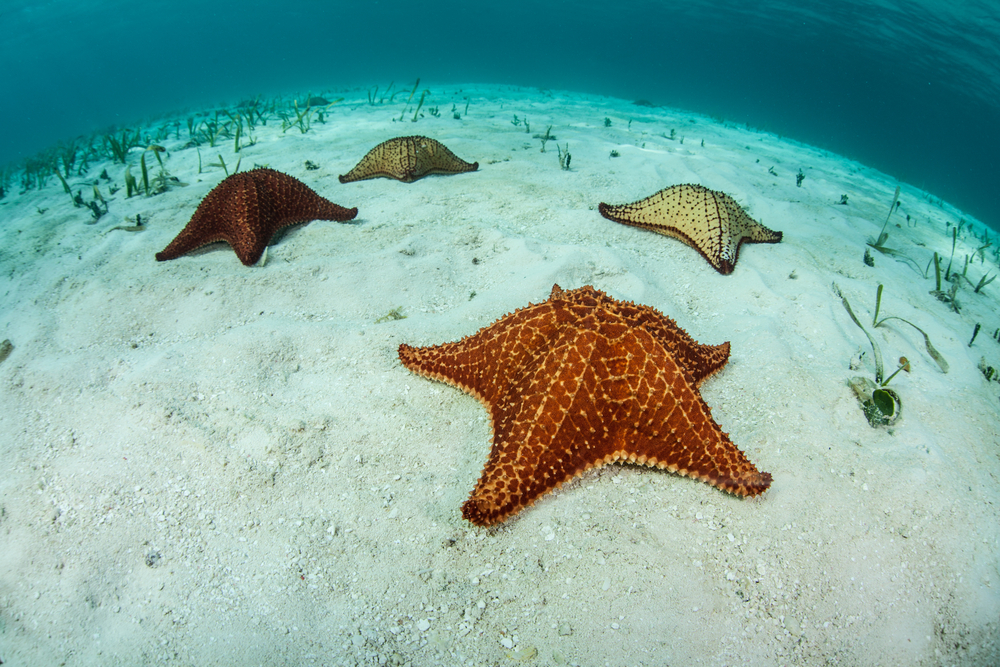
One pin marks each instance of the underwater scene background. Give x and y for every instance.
(910, 88)
(240, 452)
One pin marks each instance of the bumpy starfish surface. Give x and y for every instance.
(247, 208)
(710, 222)
(407, 159)
(579, 381)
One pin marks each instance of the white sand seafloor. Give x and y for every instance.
(207, 463)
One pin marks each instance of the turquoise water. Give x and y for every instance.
(911, 88)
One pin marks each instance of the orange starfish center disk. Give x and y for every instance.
(579, 381)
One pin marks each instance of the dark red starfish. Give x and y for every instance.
(246, 209)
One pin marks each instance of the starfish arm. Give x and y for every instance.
(677, 433)
(546, 432)
(690, 443)
(746, 229)
(662, 420)
(288, 201)
(486, 363)
(357, 175)
(698, 360)
(433, 157)
(186, 242)
(381, 161)
(215, 219)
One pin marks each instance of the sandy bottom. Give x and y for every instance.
(207, 463)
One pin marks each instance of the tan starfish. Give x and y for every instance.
(408, 159)
(579, 381)
(711, 222)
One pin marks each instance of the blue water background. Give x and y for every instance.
(911, 88)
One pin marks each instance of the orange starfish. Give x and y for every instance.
(579, 381)
(247, 208)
